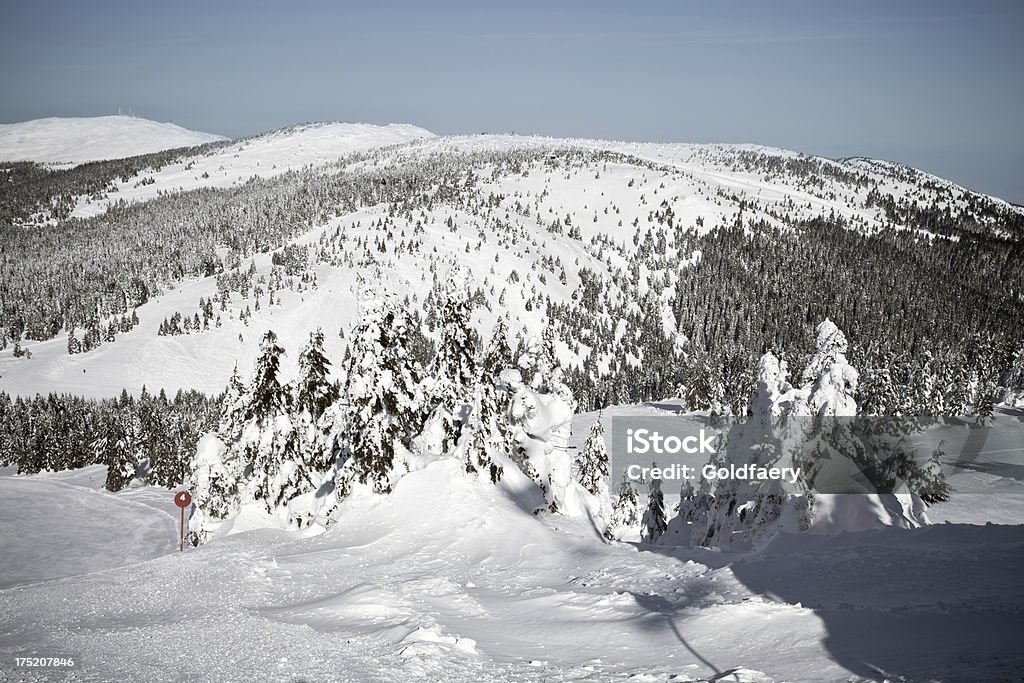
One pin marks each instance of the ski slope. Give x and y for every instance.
(451, 579)
(78, 140)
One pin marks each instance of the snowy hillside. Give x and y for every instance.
(530, 222)
(262, 156)
(78, 140)
(450, 579)
(421, 489)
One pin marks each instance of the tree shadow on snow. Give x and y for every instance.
(657, 604)
(939, 603)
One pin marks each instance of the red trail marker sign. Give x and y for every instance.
(182, 499)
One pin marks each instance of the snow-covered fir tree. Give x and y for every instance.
(383, 390)
(592, 469)
(459, 346)
(315, 394)
(490, 422)
(259, 453)
(875, 448)
(216, 485)
(274, 456)
(122, 465)
(233, 409)
(625, 508)
(592, 460)
(542, 370)
(654, 522)
(454, 370)
(818, 429)
(266, 395)
(741, 509)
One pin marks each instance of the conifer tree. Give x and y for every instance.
(456, 359)
(625, 509)
(315, 392)
(233, 409)
(592, 462)
(654, 521)
(384, 396)
(490, 425)
(266, 395)
(455, 362)
(121, 465)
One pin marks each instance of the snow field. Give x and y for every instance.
(449, 578)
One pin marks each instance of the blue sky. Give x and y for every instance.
(938, 85)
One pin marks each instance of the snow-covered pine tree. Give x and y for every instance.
(384, 396)
(314, 392)
(654, 521)
(121, 465)
(459, 347)
(592, 469)
(686, 499)
(542, 370)
(843, 446)
(266, 395)
(455, 363)
(984, 403)
(592, 461)
(314, 396)
(480, 440)
(233, 409)
(276, 470)
(741, 506)
(625, 509)
(215, 486)
(492, 433)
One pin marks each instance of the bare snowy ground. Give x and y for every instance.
(451, 580)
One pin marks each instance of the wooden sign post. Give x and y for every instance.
(182, 499)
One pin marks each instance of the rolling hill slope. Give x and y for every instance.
(79, 140)
(609, 241)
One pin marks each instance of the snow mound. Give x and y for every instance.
(81, 139)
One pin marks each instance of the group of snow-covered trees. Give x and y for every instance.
(149, 436)
(816, 426)
(296, 449)
(269, 443)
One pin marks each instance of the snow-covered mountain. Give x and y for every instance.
(75, 140)
(532, 222)
(644, 279)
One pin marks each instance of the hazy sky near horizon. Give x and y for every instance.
(938, 85)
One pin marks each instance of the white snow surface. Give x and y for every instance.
(451, 578)
(59, 140)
